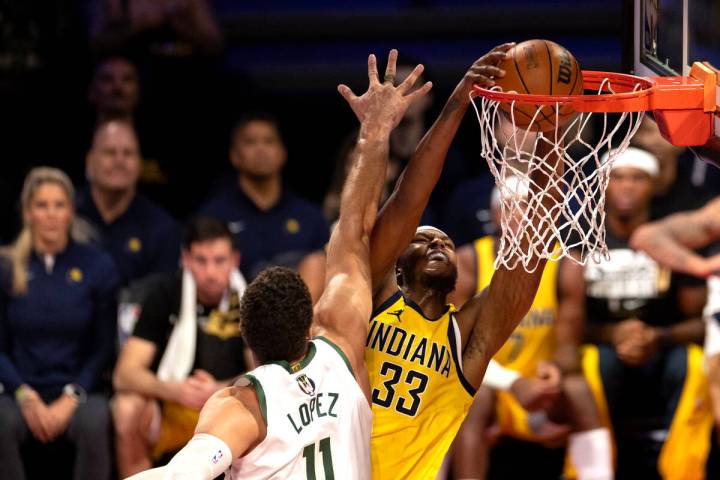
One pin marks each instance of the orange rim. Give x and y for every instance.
(629, 94)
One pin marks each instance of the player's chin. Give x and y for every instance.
(440, 278)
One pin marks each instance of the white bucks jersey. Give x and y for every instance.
(318, 420)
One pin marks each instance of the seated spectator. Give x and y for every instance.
(272, 225)
(57, 332)
(140, 236)
(643, 321)
(525, 394)
(186, 345)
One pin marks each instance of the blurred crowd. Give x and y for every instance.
(118, 319)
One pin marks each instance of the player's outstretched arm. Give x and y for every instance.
(670, 241)
(401, 213)
(230, 424)
(343, 310)
(492, 315)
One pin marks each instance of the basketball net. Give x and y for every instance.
(575, 226)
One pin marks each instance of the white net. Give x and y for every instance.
(546, 213)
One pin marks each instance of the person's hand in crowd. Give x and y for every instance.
(204, 383)
(38, 417)
(62, 410)
(628, 339)
(483, 71)
(195, 390)
(635, 341)
(538, 393)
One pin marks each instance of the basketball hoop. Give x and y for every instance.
(683, 107)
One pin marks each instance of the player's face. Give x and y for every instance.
(49, 214)
(210, 263)
(113, 162)
(432, 255)
(629, 191)
(258, 150)
(115, 87)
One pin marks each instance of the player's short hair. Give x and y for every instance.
(275, 315)
(203, 229)
(246, 118)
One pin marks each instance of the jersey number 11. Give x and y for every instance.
(309, 455)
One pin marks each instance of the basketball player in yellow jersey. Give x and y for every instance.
(425, 360)
(523, 379)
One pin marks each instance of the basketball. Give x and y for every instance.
(540, 67)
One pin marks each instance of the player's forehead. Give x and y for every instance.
(429, 232)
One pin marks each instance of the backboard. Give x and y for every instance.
(669, 35)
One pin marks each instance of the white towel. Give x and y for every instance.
(179, 356)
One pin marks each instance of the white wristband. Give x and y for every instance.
(499, 377)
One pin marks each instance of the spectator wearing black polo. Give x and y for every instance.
(140, 236)
(272, 225)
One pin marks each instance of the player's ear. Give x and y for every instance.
(399, 276)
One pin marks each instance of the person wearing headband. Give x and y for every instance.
(642, 321)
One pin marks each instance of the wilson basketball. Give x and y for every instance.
(540, 67)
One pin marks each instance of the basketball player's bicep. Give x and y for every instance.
(392, 233)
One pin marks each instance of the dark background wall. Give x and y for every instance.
(285, 57)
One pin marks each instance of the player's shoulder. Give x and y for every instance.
(234, 411)
(386, 299)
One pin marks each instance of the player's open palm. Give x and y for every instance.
(383, 102)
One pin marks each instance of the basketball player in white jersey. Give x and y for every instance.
(305, 413)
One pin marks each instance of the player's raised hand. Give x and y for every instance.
(484, 70)
(383, 103)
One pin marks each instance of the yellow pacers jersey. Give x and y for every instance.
(419, 394)
(533, 339)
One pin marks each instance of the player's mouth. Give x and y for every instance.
(437, 256)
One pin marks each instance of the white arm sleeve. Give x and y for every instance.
(498, 377)
(712, 309)
(712, 336)
(203, 458)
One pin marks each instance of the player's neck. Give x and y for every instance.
(624, 227)
(263, 191)
(111, 204)
(433, 303)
